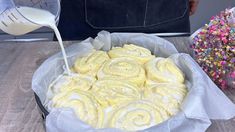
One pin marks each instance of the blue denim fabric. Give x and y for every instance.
(85, 18)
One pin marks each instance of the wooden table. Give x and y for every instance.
(18, 109)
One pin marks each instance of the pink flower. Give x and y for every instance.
(224, 39)
(233, 74)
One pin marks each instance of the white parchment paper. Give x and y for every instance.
(203, 102)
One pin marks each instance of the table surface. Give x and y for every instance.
(18, 109)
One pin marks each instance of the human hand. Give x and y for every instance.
(193, 6)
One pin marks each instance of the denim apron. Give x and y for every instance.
(85, 18)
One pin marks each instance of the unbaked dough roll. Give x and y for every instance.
(123, 69)
(91, 63)
(111, 92)
(68, 82)
(169, 96)
(170, 90)
(140, 54)
(84, 105)
(172, 106)
(137, 115)
(161, 70)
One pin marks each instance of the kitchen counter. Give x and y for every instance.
(18, 108)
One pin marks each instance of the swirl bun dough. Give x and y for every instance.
(91, 63)
(123, 69)
(161, 70)
(167, 95)
(83, 104)
(111, 92)
(69, 82)
(137, 115)
(140, 54)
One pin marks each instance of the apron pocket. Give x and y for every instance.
(115, 14)
(132, 14)
(165, 11)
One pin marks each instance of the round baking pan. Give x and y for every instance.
(43, 110)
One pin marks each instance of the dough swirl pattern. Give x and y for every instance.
(140, 54)
(66, 83)
(161, 70)
(167, 95)
(111, 92)
(90, 64)
(84, 105)
(122, 69)
(137, 115)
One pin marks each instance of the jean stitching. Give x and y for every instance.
(146, 10)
